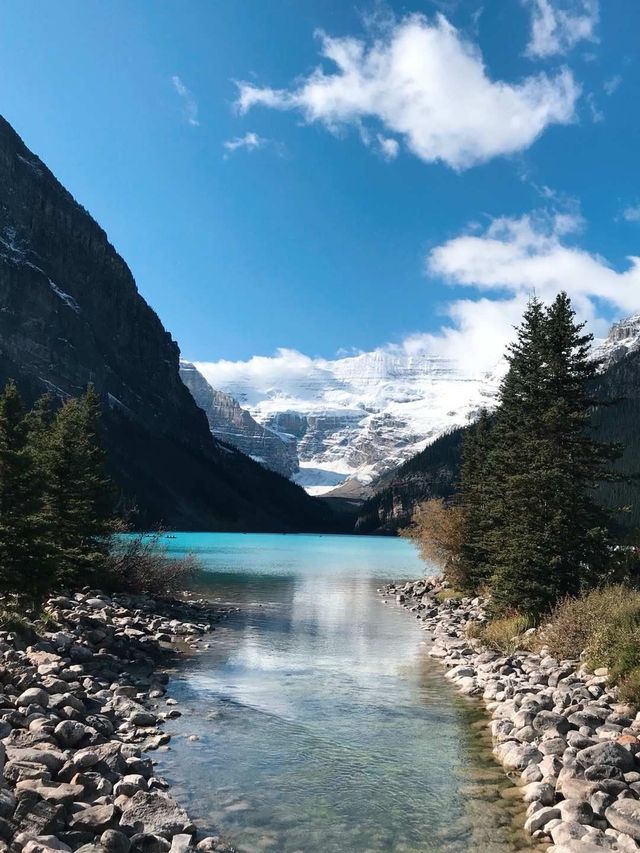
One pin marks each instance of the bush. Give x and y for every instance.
(439, 531)
(503, 634)
(585, 624)
(139, 564)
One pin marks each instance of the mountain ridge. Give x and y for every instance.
(72, 315)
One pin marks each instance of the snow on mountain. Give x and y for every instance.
(623, 338)
(353, 418)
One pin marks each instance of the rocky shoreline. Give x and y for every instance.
(558, 730)
(79, 714)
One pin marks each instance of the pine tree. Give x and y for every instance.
(79, 500)
(474, 497)
(577, 534)
(516, 477)
(26, 555)
(547, 536)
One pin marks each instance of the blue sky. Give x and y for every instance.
(448, 159)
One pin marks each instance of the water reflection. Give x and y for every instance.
(322, 723)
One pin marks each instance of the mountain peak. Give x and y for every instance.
(623, 338)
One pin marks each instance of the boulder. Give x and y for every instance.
(624, 815)
(33, 696)
(606, 752)
(540, 818)
(114, 841)
(155, 814)
(93, 818)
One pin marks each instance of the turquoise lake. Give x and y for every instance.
(321, 722)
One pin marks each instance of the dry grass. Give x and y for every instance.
(604, 626)
(503, 634)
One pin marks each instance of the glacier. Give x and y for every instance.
(354, 418)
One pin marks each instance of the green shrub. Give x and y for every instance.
(12, 620)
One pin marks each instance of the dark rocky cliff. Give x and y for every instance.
(71, 314)
(232, 424)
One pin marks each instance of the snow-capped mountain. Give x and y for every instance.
(351, 419)
(623, 338)
(354, 418)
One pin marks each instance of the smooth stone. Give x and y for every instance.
(33, 696)
(606, 753)
(624, 815)
(540, 818)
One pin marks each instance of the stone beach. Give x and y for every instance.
(81, 709)
(559, 731)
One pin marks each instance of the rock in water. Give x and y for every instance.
(155, 814)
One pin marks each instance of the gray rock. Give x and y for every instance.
(155, 814)
(93, 818)
(607, 752)
(180, 843)
(540, 818)
(576, 811)
(69, 732)
(148, 843)
(545, 720)
(7, 803)
(33, 696)
(51, 759)
(567, 830)
(114, 841)
(624, 815)
(543, 792)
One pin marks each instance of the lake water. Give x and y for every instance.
(322, 723)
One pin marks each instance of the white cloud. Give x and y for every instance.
(423, 81)
(558, 25)
(389, 147)
(612, 84)
(189, 102)
(512, 259)
(596, 113)
(501, 266)
(632, 213)
(250, 141)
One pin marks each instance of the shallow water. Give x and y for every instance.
(322, 723)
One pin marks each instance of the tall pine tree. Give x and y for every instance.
(79, 494)
(474, 497)
(27, 558)
(546, 535)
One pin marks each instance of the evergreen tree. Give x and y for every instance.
(474, 496)
(577, 533)
(26, 555)
(546, 535)
(79, 499)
